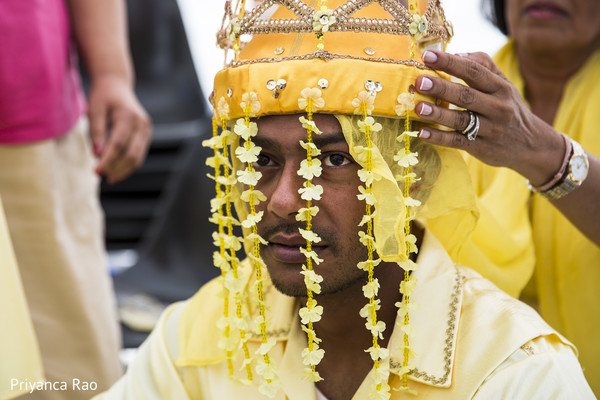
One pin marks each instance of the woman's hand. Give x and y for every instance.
(509, 135)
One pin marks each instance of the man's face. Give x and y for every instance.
(339, 214)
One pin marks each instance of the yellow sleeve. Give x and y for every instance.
(543, 368)
(501, 246)
(19, 352)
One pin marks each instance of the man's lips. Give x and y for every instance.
(286, 248)
(544, 10)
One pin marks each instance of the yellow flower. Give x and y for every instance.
(405, 160)
(312, 255)
(216, 203)
(378, 353)
(269, 389)
(309, 171)
(369, 308)
(377, 329)
(306, 123)
(309, 236)
(365, 99)
(370, 289)
(303, 213)
(311, 376)
(248, 177)
(418, 26)
(310, 315)
(362, 153)
(267, 371)
(410, 202)
(408, 265)
(250, 99)
(257, 194)
(365, 239)
(408, 286)
(405, 308)
(368, 198)
(364, 265)
(402, 137)
(227, 343)
(248, 155)
(244, 131)
(251, 237)
(411, 241)
(370, 122)
(252, 220)
(311, 93)
(219, 261)
(233, 284)
(233, 29)
(312, 192)
(368, 176)
(314, 150)
(380, 392)
(406, 101)
(232, 242)
(223, 108)
(265, 347)
(312, 357)
(323, 19)
(409, 330)
(382, 373)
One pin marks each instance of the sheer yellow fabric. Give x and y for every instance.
(567, 263)
(19, 351)
(448, 202)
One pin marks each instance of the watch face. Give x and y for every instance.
(579, 168)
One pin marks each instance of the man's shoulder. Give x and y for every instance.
(485, 305)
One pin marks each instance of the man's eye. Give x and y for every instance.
(263, 160)
(336, 160)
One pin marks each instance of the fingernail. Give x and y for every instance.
(96, 149)
(426, 83)
(429, 57)
(426, 109)
(425, 134)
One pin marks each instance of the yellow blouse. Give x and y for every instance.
(567, 267)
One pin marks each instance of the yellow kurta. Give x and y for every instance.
(20, 360)
(473, 342)
(567, 263)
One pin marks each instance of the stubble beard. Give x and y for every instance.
(338, 269)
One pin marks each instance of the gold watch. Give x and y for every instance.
(576, 174)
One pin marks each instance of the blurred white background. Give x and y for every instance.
(472, 32)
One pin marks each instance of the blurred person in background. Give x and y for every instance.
(536, 111)
(49, 177)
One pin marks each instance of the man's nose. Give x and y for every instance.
(285, 200)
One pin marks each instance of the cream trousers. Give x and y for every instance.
(50, 196)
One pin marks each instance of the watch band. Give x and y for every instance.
(568, 182)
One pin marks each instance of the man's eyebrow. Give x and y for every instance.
(328, 138)
(266, 143)
(319, 140)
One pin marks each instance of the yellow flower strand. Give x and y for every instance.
(222, 249)
(412, 8)
(405, 297)
(236, 44)
(370, 249)
(320, 35)
(256, 247)
(309, 265)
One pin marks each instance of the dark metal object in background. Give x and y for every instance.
(162, 210)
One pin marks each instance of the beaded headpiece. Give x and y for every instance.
(358, 58)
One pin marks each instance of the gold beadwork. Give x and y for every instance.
(448, 349)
